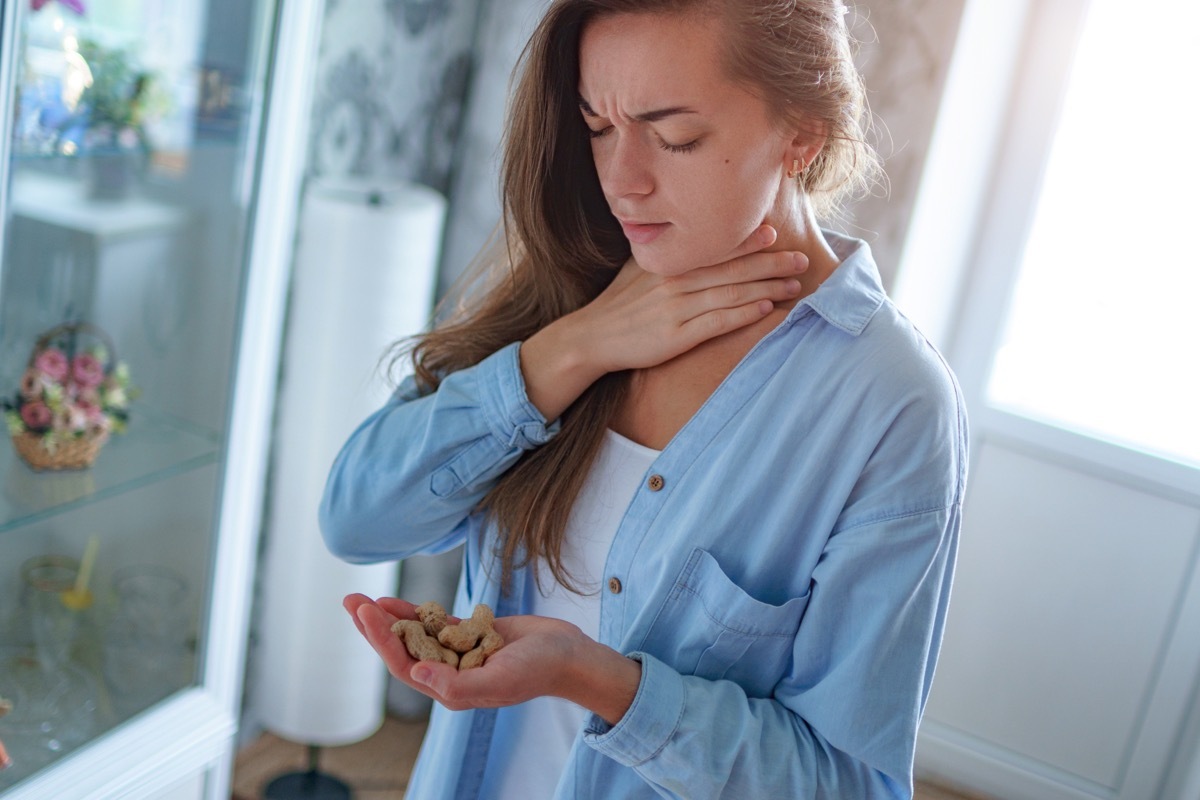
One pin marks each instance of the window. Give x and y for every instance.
(1103, 334)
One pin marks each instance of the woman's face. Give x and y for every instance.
(689, 161)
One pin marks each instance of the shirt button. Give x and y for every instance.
(655, 483)
(614, 585)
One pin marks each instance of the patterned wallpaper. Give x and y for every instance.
(476, 192)
(392, 80)
(905, 51)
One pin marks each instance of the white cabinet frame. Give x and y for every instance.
(193, 733)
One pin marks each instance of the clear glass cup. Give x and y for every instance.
(44, 579)
(54, 703)
(146, 651)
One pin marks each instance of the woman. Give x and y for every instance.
(707, 475)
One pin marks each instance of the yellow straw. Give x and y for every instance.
(78, 598)
(85, 566)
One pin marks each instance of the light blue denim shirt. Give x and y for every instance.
(783, 580)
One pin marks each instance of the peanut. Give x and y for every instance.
(490, 643)
(466, 645)
(433, 617)
(463, 637)
(421, 645)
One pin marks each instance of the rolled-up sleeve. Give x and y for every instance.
(411, 473)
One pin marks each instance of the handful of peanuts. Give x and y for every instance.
(465, 646)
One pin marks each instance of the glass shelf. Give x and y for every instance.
(155, 447)
(138, 692)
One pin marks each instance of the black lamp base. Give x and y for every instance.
(309, 785)
(306, 786)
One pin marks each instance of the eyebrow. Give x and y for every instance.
(649, 116)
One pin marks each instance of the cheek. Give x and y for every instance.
(716, 201)
(757, 182)
(726, 209)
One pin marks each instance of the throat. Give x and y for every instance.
(664, 398)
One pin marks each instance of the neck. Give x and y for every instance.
(798, 231)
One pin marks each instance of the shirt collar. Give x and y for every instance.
(853, 293)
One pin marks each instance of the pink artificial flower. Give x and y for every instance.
(92, 411)
(52, 363)
(31, 384)
(87, 371)
(74, 5)
(73, 419)
(36, 415)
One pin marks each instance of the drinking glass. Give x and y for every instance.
(54, 705)
(44, 579)
(146, 652)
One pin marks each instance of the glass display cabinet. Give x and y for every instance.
(145, 251)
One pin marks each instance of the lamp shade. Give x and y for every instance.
(364, 276)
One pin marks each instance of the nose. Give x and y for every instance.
(625, 166)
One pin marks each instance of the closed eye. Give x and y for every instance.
(679, 148)
(596, 133)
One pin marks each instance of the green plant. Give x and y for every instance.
(116, 101)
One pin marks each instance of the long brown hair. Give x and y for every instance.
(560, 246)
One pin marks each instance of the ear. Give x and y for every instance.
(805, 146)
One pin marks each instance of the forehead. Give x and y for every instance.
(642, 61)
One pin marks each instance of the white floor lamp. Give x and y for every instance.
(364, 276)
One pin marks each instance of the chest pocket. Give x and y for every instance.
(709, 627)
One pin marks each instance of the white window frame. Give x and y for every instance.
(987, 158)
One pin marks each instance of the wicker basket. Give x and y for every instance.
(74, 453)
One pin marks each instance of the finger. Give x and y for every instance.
(724, 320)
(435, 679)
(763, 236)
(472, 688)
(400, 609)
(754, 267)
(735, 295)
(351, 603)
(377, 628)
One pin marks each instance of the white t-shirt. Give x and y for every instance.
(541, 732)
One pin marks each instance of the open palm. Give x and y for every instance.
(537, 658)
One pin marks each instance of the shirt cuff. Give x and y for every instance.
(512, 418)
(651, 720)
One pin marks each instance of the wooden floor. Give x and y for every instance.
(378, 768)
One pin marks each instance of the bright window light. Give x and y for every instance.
(1103, 335)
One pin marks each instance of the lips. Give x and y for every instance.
(643, 232)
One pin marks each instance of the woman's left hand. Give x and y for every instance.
(541, 656)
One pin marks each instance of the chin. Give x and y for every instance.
(661, 266)
(667, 261)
